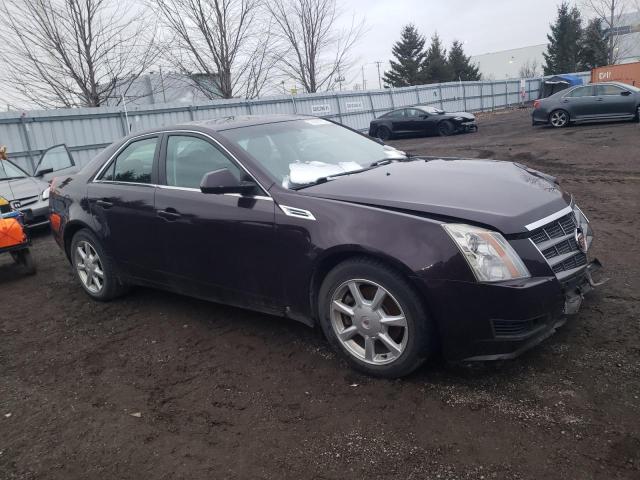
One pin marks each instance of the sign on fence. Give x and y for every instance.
(321, 109)
(351, 106)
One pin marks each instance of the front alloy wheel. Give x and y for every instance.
(373, 315)
(369, 321)
(559, 119)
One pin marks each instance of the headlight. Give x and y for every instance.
(489, 255)
(459, 119)
(45, 193)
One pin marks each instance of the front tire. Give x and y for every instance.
(559, 119)
(446, 128)
(372, 315)
(92, 267)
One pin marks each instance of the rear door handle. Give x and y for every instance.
(170, 214)
(104, 203)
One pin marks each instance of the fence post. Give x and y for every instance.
(248, 105)
(373, 109)
(482, 97)
(464, 96)
(417, 96)
(393, 104)
(506, 93)
(295, 108)
(25, 132)
(337, 98)
(123, 123)
(440, 95)
(493, 98)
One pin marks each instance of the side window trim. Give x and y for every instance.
(162, 135)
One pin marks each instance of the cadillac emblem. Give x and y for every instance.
(581, 240)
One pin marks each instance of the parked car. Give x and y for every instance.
(421, 120)
(593, 102)
(394, 257)
(29, 194)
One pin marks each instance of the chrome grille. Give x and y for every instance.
(556, 241)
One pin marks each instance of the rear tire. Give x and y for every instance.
(559, 118)
(446, 128)
(372, 316)
(383, 133)
(93, 269)
(638, 114)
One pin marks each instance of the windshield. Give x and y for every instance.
(629, 87)
(301, 152)
(9, 171)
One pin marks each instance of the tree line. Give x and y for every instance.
(415, 65)
(83, 53)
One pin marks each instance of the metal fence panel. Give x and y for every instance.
(87, 130)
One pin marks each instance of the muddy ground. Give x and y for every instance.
(158, 386)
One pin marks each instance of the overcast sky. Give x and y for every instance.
(483, 25)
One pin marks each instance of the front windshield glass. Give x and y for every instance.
(8, 171)
(301, 152)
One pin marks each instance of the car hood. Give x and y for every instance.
(21, 189)
(502, 195)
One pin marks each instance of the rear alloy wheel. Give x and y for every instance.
(446, 128)
(559, 119)
(373, 316)
(383, 133)
(92, 267)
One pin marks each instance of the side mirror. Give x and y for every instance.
(625, 93)
(379, 140)
(43, 172)
(424, 116)
(222, 181)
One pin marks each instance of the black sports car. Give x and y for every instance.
(421, 120)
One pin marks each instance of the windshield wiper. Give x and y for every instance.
(372, 165)
(10, 178)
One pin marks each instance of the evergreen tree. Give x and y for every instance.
(563, 50)
(593, 46)
(410, 55)
(436, 67)
(460, 65)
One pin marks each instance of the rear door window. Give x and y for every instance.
(134, 164)
(581, 92)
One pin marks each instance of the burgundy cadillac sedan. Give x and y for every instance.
(395, 257)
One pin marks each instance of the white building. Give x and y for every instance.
(629, 38)
(507, 63)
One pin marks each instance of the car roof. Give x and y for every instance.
(239, 121)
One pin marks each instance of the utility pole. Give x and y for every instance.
(378, 62)
(164, 96)
(364, 82)
(611, 20)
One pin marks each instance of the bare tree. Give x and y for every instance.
(73, 53)
(228, 41)
(316, 49)
(529, 69)
(611, 12)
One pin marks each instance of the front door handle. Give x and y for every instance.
(104, 203)
(170, 214)
(599, 99)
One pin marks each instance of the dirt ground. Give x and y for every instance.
(158, 386)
